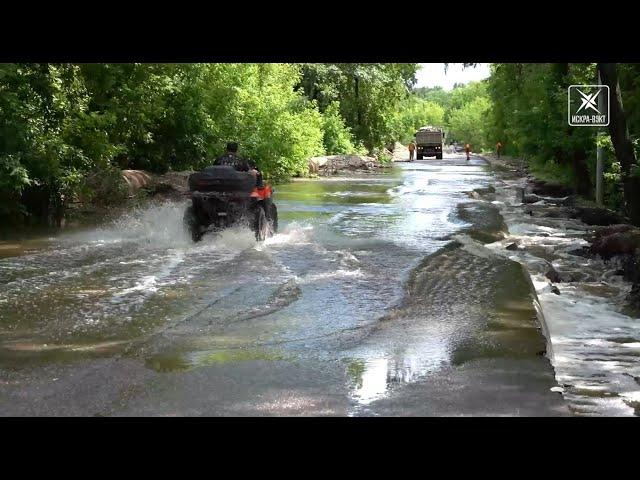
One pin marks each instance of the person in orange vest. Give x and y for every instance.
(498, 148)
(412, 149)
(467, 149)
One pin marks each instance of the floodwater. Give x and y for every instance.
(362, 304)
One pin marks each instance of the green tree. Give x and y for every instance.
(436, 95)
(529, 115)
(414, 113)
(368, 94)
(468, 123)
(338, 139)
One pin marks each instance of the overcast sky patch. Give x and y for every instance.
(432, 74)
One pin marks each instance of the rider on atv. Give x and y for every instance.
(231, 158)
(229, 192)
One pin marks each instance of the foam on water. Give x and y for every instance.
(150, 283)
(340, 273)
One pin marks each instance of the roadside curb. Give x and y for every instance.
(536, 301)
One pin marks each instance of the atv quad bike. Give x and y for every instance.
(221, 197)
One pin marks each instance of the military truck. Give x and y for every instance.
(429, 142)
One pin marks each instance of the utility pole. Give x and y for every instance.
(599, 152)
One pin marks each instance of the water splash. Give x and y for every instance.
(159, 225)
(293, 233)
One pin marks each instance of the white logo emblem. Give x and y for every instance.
(589, 101)
(588, 106)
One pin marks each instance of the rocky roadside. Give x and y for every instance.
(171, 185)
(583, 263)
(339, 164)
(609, 236)
(400, 153)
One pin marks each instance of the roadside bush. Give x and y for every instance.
(550, 171)
(103, 186)
(337, 136)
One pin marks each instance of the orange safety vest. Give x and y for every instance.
(412, 147)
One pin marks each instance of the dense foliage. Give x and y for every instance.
(369, 95)
(61, 124)
(529, 115)
(64, 125)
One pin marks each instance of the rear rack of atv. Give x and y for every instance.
(225, 195)
(258, 193)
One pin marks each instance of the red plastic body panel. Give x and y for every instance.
(262, 193)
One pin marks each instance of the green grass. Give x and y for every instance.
(550, 171)
(385, 159)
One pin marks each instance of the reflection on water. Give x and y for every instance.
(373, 378)
(370, 379)
(187, 360)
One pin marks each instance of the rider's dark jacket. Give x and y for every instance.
(233, 160)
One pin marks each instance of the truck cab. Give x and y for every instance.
(429, 142)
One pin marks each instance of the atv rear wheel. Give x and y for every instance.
(273, 218)
(261, 225)
(190, 220)
(272, 215)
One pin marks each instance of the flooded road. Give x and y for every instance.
(360, 305)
